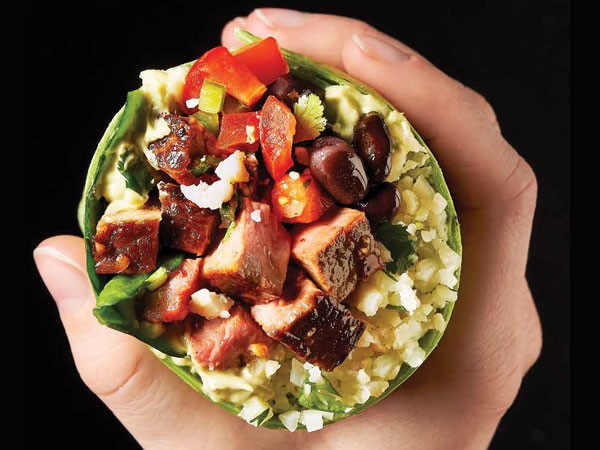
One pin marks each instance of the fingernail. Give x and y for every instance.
(67, 283)
(378, 49)
(278, 17)
(240, 22)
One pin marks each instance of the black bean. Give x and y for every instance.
(337, 167)
(288, 89)
(373, 145)
(380, 204)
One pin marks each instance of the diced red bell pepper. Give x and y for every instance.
(220, 66)
(277, 128)
(300, 200)
(264, 59)
(239, 131)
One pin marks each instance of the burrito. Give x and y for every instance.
(275, 231)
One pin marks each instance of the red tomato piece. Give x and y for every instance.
(300, 200)
(239, 131)
(264, 59)
(220, 66)
(277, 128)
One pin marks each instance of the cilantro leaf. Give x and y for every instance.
(322, 396)
(258, 420)
(397, 308)
(229, 210)
(310, 121)
(138, 175)
(397, 240)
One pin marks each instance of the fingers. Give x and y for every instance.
(148, 398)
(320, 36)
(482, 168)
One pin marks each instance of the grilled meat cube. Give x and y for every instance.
(174, 153)
(171, 301)
(318, 329)
(127, 241)
(224, 343)
(252, 261)
(184, 225)
(337, 250)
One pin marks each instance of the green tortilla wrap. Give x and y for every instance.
(116, 295)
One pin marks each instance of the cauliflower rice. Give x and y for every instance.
(398, 312)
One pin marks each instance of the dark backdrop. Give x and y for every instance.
(87, 55)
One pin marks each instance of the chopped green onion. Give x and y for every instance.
(210, 121)
(157, 279)
(212, 97)
(229, 230)
(203, 164)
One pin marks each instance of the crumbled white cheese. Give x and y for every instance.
(290, 419)
(255, 215)
(192, 102)
(251, 135)
(233, 169)
(312, 419)
(208, 196)
(210, 305)
(314, 375)
(271, 367)
(253, 408)
(294, 175)
(327, 415)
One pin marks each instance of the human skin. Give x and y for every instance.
(459, 395)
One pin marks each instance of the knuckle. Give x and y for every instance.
(521, 188)
(112, 383)
(485, 107)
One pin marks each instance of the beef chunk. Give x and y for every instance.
(224, 343)
(318, 329)
(252, 261)
(171, 301)
(127, 241)
(337, 250)
(184, 225)
(187, 141)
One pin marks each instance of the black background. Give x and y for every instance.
(88, 54)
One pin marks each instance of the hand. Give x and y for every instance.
(459, 395)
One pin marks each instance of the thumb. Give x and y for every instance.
(117, 367)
